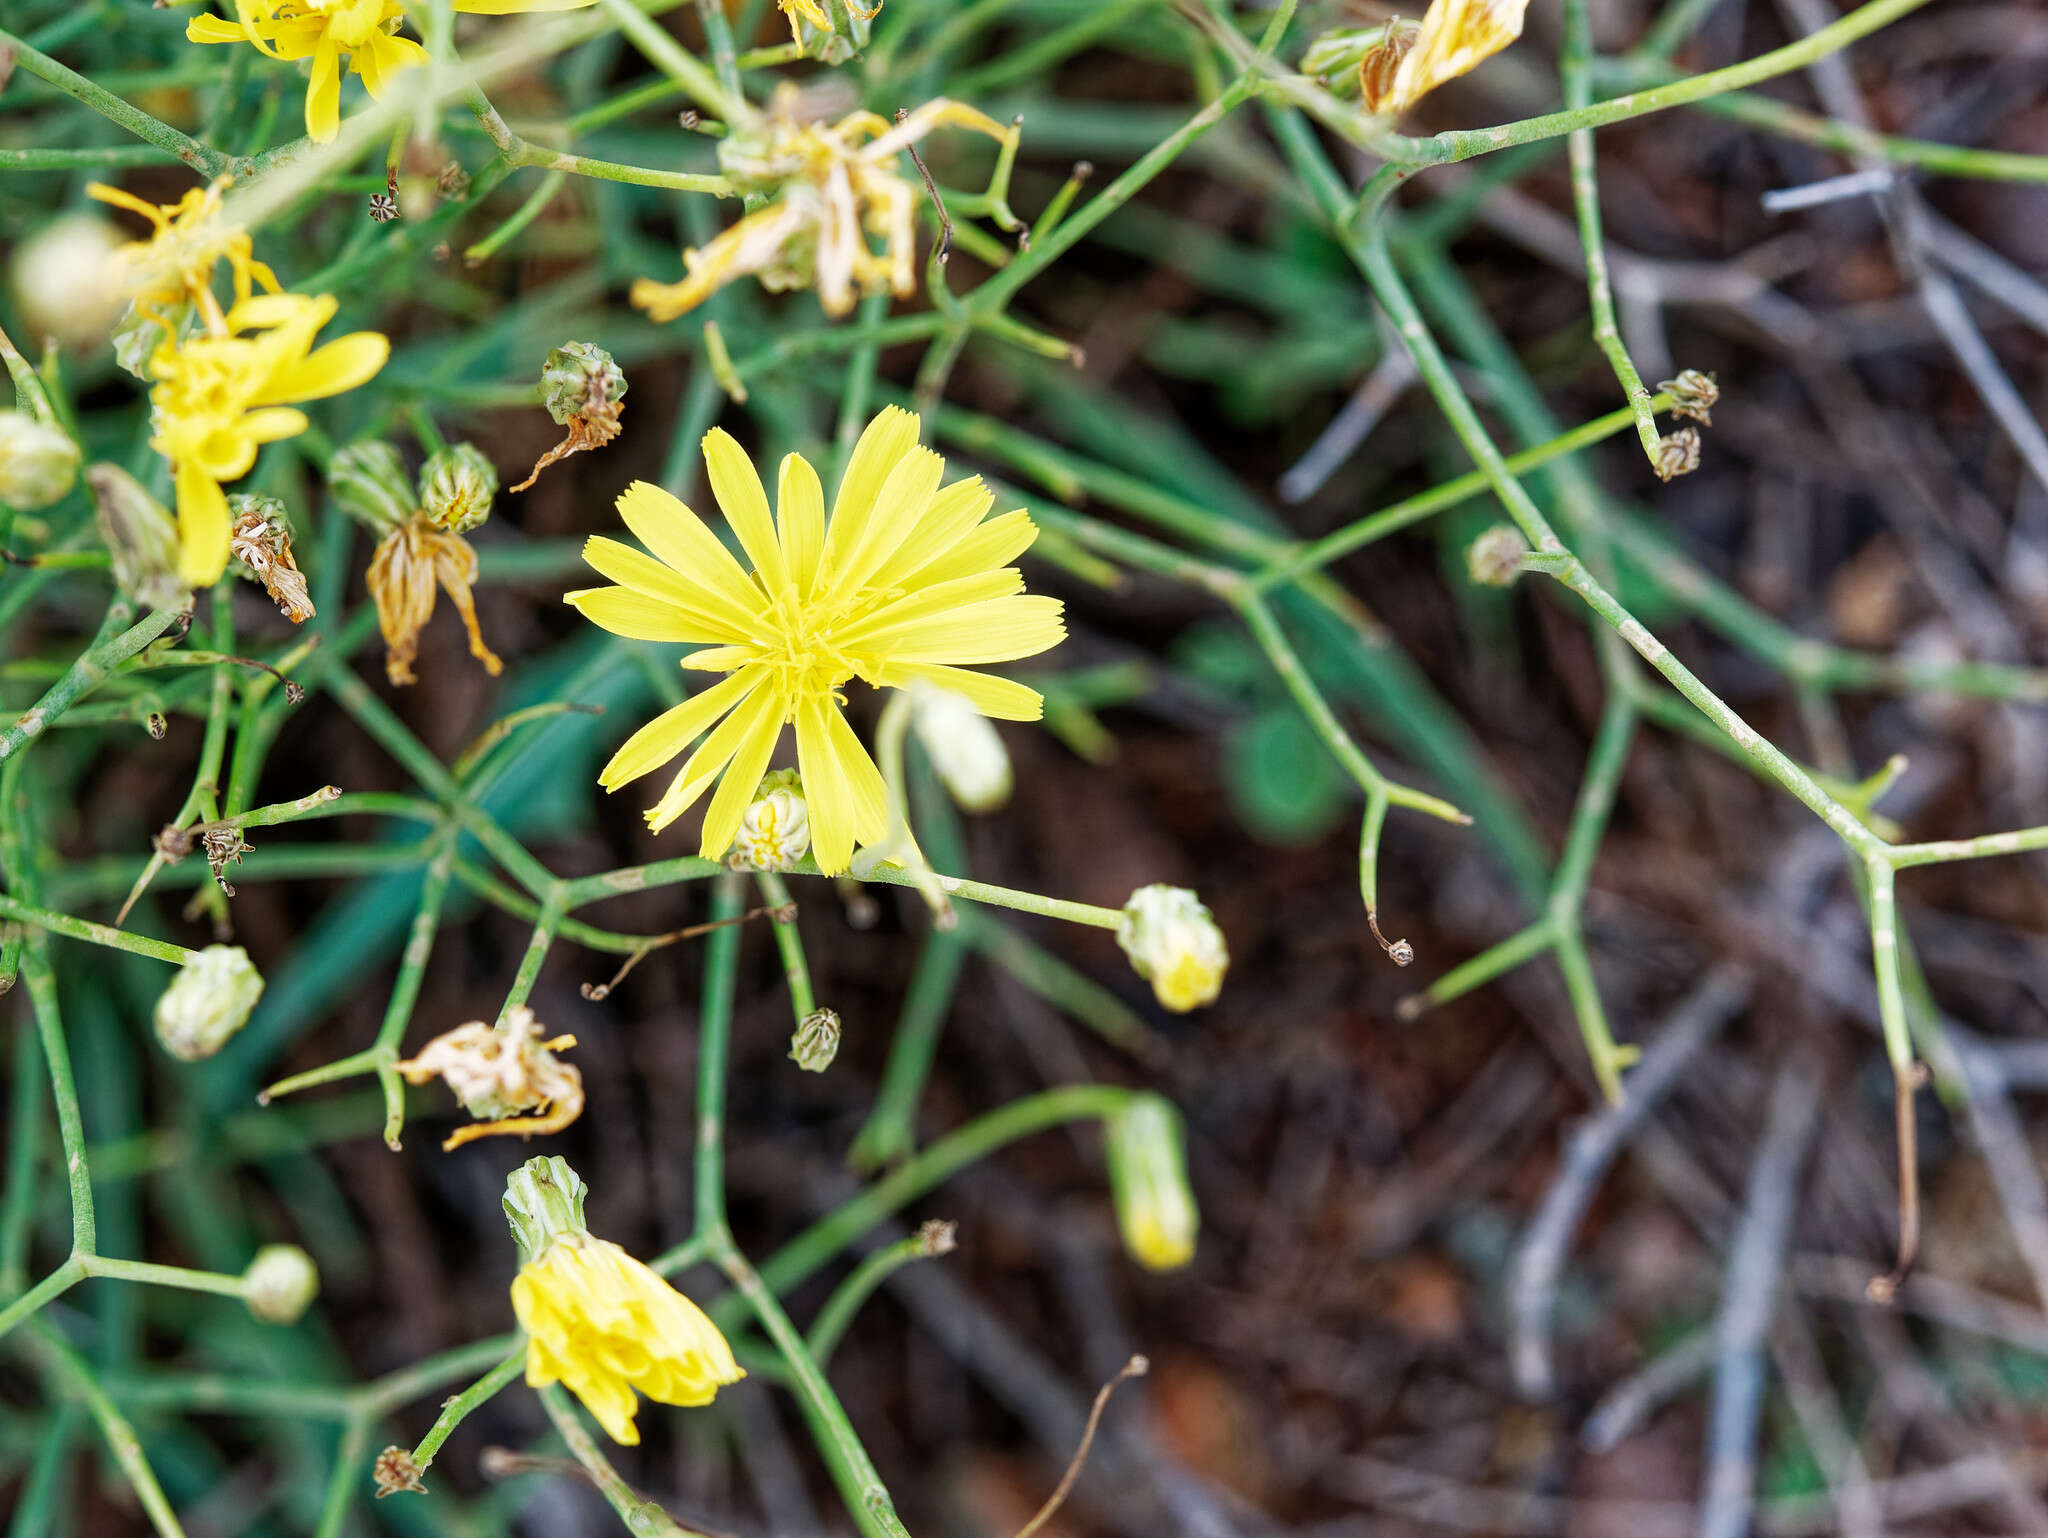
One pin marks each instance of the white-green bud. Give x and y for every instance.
(140, 535)
(209, 1000)
(456, 488)
(775, 830)
(963, 746)
(816, 1041)
(543, 1203)
(1174, 944)
(1494, 559)
(38, 461)
(65, 282)
(579, 380)
(1148, 1175)
(280, 1284)
(1333, 58)
(368, 482)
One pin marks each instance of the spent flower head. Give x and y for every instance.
(1494, 559)
(582, 386)
(140, 536)
(505, 1075)
(219, 396)
(1174, 944)
(1148, 1176)
(596, 1319)
(1410, 60)
(175, 266)
(209, 1000)
(261, 539)
(909, 581)
(828, 189)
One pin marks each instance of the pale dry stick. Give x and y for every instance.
(1591, 1148)
(1352, 424)
(1819, 1413)
(1749, 1295)
(1833, 189)
(1633, 1400)
(1968, 258)
(1951, 1304)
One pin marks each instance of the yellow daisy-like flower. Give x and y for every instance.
(219, 397)
(596, 1319)
(833, 186)
(909, 581)
(814, 12)
(176, 263)
(340, 36)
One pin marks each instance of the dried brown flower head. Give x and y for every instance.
(505, 1074)
(412, 562)
(260, 540)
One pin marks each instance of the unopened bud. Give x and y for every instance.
(1334, 58)
(456, 488)
(65, 283)
(963, 746)
(1693, 394)
(580, 380)
(543, 1203)
(280, 1284)
(816, 1041)
(209, 1000)
(38, 461)
(368, 482)
(775, 831)
(1495, 557)
(1148, 1175)
(1678, 453)
(1174, 944)
(140, 536)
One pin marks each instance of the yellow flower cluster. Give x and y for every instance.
(908, 582)
(356, 37)
(831, 187)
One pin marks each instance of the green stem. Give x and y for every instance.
(714, 1051)
(70, 1369)
(829, 1325)
(107, 652)
(208, 162)
(459, 1406)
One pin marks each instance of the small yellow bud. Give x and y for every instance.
(209, 1000)
(963, 746)
(1174, 944)
(816, 1041)
(775, 831)
(38, 462)
(1148, 1175)
(66, 284)
(280, 1284)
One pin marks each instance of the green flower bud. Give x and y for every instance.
(816, 1041)
(1174, 944)
(1494, 559)
(368, 482)
(1333, 58)
(544, 1203)
(209, 1000)
(280, 1284)
(1148, 1175)
(456, 488)
(38, 461)
(141, 536)
(580, 380)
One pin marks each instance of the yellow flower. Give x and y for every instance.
(907, 582)
(176, 263)
(1456, 36)
(219, 396)
(355, 36)
(833, 186)
(596, 1319)
(814, 12)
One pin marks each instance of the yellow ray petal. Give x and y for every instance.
(952, 513)
(517, 7)
(323, 93)
(1002, 699)
(834, 820)
(669, 733)
(744, 501)
(877, 633)
(718, 616)
(202, 527)
(341, 365)
(710, 759)
(757, 739)
(863, 779)
(624, 611)
(800, 520)
(882, 443)
(995, 543)
(682, 540)
(899, 507)
(998, 630)
(1457, 35)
